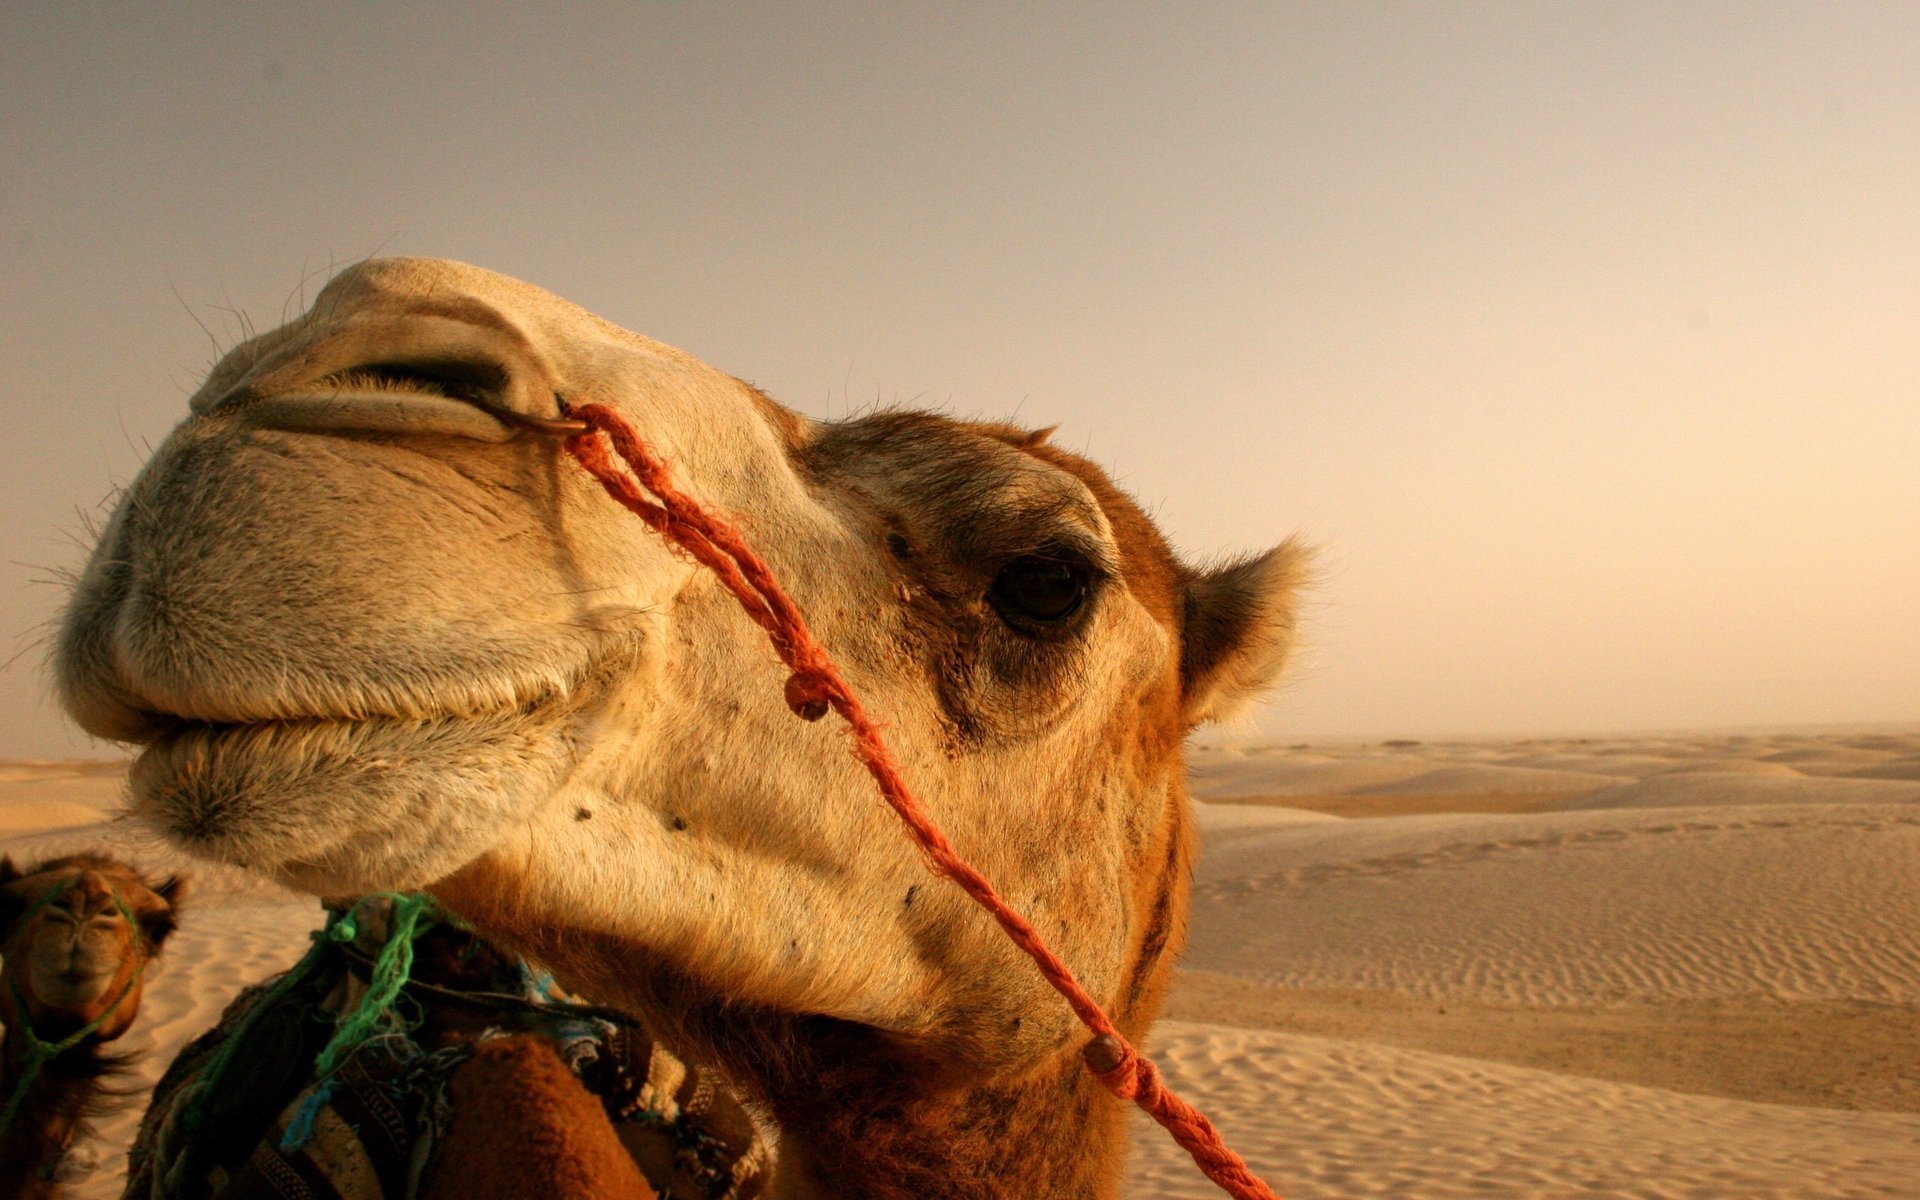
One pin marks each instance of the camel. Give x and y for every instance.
(79, 933)
(374, 631)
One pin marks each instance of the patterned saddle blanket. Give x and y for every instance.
(240, 1114)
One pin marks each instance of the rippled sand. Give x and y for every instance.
(1648, 967)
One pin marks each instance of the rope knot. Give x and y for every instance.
(1126, 1072)
(809, 694)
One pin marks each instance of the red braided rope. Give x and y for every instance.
(815, 686)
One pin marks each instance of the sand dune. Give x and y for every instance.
(1745, 789)
(1337, 1119)
(1393, 785)
(35, 796)
(1630, 766)
(47, 814)
(1819, 902)
(1895, 768)
(1663, 967)
(1468, 780)
(1892, 743)
(1825, 759)
(1726, 766)
(1307, 776)
(1816, 1054)
(1231, 820)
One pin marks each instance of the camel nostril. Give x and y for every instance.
(483, 384)
(473, 396)
(477, 382)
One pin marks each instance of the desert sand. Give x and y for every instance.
(1651, 967)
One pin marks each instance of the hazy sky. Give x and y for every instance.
(1585, 338)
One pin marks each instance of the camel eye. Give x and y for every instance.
(1036, 593)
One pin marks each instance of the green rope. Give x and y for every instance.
(390, 972)
(184, 1128)
(391, 969)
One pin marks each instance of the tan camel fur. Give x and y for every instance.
(79, 934)
(373, 637)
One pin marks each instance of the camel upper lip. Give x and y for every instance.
(166, 725)
(502, 697)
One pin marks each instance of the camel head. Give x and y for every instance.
(78, 934)
(371, 633)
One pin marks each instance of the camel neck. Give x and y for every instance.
(1054, 1133)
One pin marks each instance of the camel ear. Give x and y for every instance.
(11, 906)
(174, 888)
(1238, 631)
(160, 924)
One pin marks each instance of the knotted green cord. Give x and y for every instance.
(391, 969)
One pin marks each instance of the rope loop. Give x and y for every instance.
(1115, 1063)
(814, 686)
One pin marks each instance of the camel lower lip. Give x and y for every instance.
(197, 780)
